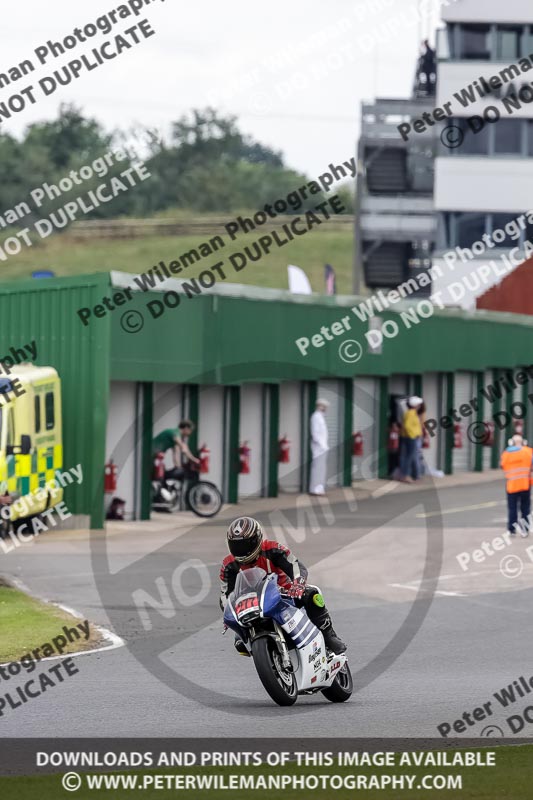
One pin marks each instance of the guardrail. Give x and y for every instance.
(136, 228)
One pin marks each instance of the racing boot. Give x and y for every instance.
(240, 647)
(332, 641)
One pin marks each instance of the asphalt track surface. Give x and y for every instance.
(468, 636)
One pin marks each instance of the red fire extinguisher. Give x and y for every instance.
(244, 459)
(204, 454)
(519, 426)
(110, 477)
(158, 470)
(284, 450)
(425, 438)
(393, 442)
(357, 446)
(488, 439)
(457, 436)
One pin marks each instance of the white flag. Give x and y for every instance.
(298, 281)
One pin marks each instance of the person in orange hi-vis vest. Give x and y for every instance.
(517, 464)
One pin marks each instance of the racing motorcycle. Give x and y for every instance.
(287, 665)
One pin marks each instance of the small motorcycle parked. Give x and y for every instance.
(178, 489)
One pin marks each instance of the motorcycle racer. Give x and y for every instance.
(248, 548)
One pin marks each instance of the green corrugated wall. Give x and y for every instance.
(222, 339)
(45, 311)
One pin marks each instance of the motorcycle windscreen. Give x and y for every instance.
(249, 580)
(243, 602)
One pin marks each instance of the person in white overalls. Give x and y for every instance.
(319, 448)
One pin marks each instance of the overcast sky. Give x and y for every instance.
(294, 73)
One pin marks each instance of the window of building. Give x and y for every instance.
(10, 428)
(508, 137)
(469, 228)
(527, 41)
(445, 39)
(474, 42)
(476, 144)
(530, 138)
(508, 230)
(528, 233)
(49, 410)
(508, 39)
(37, 406)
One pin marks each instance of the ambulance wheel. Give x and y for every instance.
(6, 526)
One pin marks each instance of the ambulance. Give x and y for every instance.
(31, 447)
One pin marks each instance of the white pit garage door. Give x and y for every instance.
(253, 431)
(121, 433)
(331, 391)
(529, 403)
(290, 424)
(365, 420)
(168, 411)
(519, 410)
(211, 430)
(430, 393)
(464, 391)
(488, 413)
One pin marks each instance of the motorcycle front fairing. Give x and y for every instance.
(256, 595)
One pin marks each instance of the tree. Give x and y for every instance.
(69, 136)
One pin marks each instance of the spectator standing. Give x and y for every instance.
(421, 411)
(319, 448)
(411, 437)
(517, 464)
(428, 67)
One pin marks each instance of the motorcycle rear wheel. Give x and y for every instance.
(342, 687)
(280, 684)
(204, 499)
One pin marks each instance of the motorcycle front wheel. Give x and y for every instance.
(280, 684)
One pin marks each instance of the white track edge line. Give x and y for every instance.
(115, 640)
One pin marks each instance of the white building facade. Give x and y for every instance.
(484, 180)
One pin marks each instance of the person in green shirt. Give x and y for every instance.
(176, 439)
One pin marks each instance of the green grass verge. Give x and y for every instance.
(66, 256)
(26, 623)
(510, 779)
